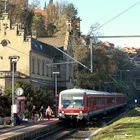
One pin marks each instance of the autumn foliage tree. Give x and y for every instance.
(70, 11)
(106, 63)
(38, 21)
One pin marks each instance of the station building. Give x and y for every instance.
(33, 60)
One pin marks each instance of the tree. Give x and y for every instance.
(32, 97)
(60, 22)
(106, 63)
(38, 21)
(50, 19)
(70, 11)
(5, 103)
(19, 13)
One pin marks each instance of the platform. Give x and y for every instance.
(28, 130)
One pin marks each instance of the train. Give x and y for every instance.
(84, 104)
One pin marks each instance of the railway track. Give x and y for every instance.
(81, 132)
(71, 132)
(55, 129)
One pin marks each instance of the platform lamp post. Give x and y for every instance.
(14, 60)
(55, 76)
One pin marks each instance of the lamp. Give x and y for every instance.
(55, 75)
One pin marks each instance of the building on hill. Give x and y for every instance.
(40, 11)
(35, 59)
(137, 58)
(108, 45)
(131, 51)
(134, 53)
(134, 74)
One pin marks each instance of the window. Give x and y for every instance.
(43, 68)
(110, 100)
(38, 66)
(33, 65)
(98, 101)
(72, 101)
(88, 101)
(47, 69)
(50, 71)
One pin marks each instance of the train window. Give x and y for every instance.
(65, 103)
(110, 100)
(98, 101)
(72, 101)
(88, 101)
(120, 100)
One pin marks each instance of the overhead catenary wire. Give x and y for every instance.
(118, 36)
(17, 50)
(118, 15)
(61, 63)
(105, 23)
(75, 61)
(72, 58)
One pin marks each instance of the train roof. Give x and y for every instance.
(83, 91)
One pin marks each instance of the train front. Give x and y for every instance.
(71, 105)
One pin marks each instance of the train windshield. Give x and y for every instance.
(72, 101)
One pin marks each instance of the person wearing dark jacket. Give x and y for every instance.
(41, 113)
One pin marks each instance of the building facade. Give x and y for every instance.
(34, 59)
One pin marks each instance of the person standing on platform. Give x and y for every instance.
(41, 113)
(33, 112)
(49, 112)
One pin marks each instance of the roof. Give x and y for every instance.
(46, 49)
(137, 57)
(83, 91)
(57, 41)
(108, 44)
(130, 50)
(40, 11)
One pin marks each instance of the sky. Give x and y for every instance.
(116, 17)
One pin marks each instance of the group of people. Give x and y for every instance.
(43, 113)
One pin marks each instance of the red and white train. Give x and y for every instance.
(81, 104)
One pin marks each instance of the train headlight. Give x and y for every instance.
(80, 112)
(61, 115)
(80, 116)
(62, 111)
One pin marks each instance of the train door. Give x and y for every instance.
(90, 107)
(88, 104)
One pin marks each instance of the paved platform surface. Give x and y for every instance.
(9, 132)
